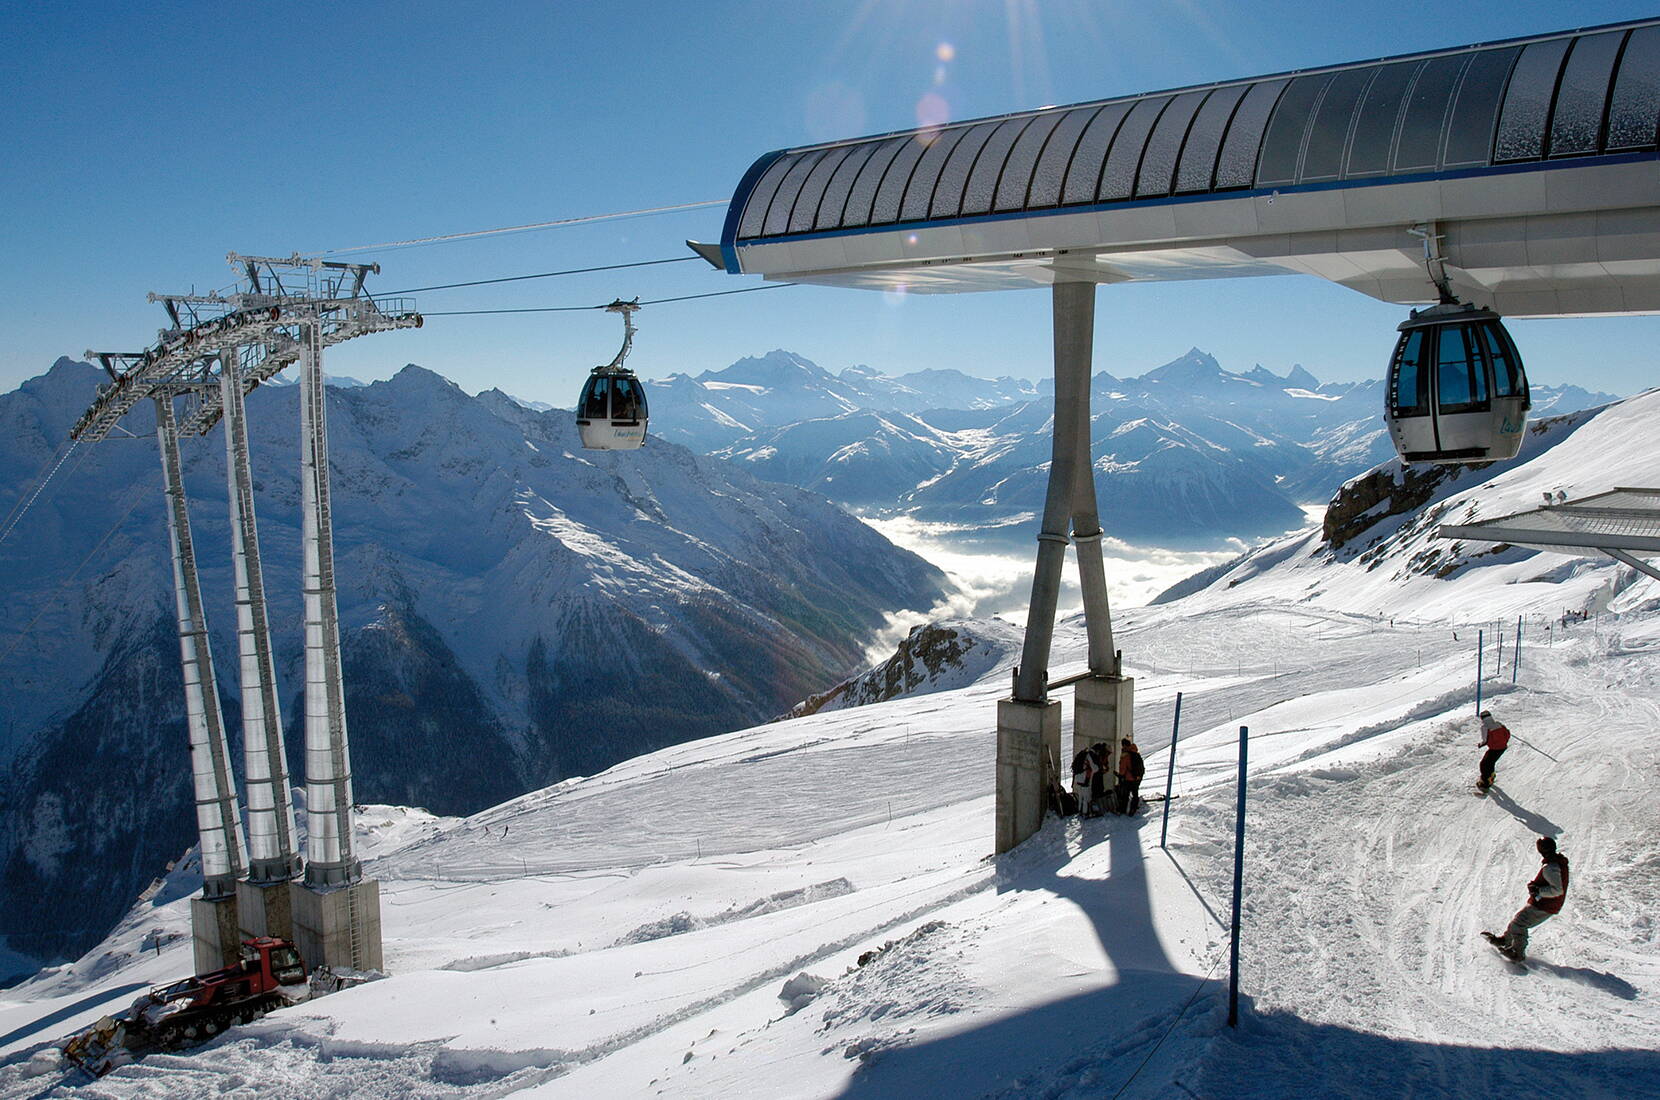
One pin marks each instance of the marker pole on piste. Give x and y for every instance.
(1480, 643)
(1238, 884)
(1170, 772)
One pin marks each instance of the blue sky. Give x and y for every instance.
(143, 142)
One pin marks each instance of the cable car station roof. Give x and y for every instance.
(1534, 160)
(1618, 524)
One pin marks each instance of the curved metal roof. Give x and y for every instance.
(1493, 107)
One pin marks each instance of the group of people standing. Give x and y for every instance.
(1549, 887)
(1092, 769)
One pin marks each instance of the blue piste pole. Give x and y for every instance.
(1481, 644)
(1516, 657)
(1238, 884)
(1170, 771)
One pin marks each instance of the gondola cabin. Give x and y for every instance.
(1456, 390)
(611, 413)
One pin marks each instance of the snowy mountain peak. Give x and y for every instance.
(1301, 379)
(777, 368)
(1193, 368)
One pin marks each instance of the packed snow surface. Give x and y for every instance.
(811, 908)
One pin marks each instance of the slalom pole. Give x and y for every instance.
(1480, 642)
(1238, 884)
(1516, 657)
(1170, 772)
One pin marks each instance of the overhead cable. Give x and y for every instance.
(579, 309)
(538, 275)
(523, 228)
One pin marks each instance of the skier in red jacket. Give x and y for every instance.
(1495, 738)
(1545, 895)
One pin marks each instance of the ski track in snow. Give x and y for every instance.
(629, 933)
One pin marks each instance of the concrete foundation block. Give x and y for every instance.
(339, 926)
(1028, 753)
(1105, 713)
(215, 932)
(266, 909)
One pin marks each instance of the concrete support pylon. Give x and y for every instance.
(337, 912)
(215, 927)
(273, 856)
(1028, 723)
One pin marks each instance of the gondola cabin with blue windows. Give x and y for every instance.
(1456, 390)
(611, 413)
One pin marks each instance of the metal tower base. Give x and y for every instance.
(215, 932)
(1028, 754)
(267, 909)
(339, 926)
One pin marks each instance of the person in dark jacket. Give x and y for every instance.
(1130, 770)
(1545, 895)
(1089, 773)
(1495, 738)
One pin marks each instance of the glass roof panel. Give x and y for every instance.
(1118, 178)
(1017, 173)
(1527, 101)
(1582, 97)
(988, 166)
(1204, 139)
(1157, 175)
(1634, 111)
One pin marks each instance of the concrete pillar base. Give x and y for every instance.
(1028, 753)
(215, 932)
(339, 926)
(1105, 713)
(266, 909)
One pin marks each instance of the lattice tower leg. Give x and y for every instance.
(218, 817)
(329, 857)
(273, 852)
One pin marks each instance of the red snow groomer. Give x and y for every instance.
(268, 976)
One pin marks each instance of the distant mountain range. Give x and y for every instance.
(1187, 453)
(515, 610)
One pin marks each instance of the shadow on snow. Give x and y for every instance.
(1160, 1032)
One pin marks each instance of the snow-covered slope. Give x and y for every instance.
(810, 908)
(515, 611)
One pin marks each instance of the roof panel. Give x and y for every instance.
(1237, 165)
(1475, 111)
(1424, 123)
(1333, 121)
(888, 196)
(778, 214)
(834, 202)
(755, 212)
(1582, 96)
(863, 195)
(919, 193)
(948, 193)
(1016, 180)
(1118, 174)
(1527, 101)
(1379, 119)
(1157, 175)
(1050, 175)
(805, 213)
(1089, 156)
(1197, 171)
(1634, 108)
(1282, 146)
(988, 166)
